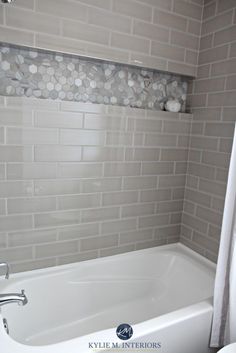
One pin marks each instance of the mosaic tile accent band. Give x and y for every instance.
(35, 73)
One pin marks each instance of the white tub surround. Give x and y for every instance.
(164, 293)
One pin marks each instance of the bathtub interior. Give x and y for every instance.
(100, 294)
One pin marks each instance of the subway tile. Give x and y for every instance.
(139, 183)
(209, 215)
(185, 69)
(194, 27)
(233, 50)
(225, 36)
(219, 129)
(2, 171)
(109, 20)
(201, 170)
(62, 8)
(119, 198)
(167, 51)
(172, 154)
(142, 154)
(222, 99)
(15, 188)
(32, 265)
(148, 61)
(56, 249)
(110, 227)
(78, 201)
(105, 4)
(167, 231)
(170, 20)
(56, 187)
(132, 9)
(117, 250)
(153, 221)
(31, 237)
(143, 125)
(138, 210)
(194, 223)
(155, 195)
(187, 9)
(16, 36)
(83, 107)
(85, 256)
(79, 170)
(58, 120)
(205, 242)
(56, 219)
(122, 169)
(225, 5)
(95, 154)
(2, 207)
(106, 53)
(206, 114)
(27, 136)
(58, 153)
(30, 20)
(9, 223)
(100, 242)
(206, 43)
(209, 10)
(98, 185)
(205, 143)
(216, 158)
(119, 138)
(129, 42)
(16, 171)
(171, 181)
(162, 4)
(217, 22)
(15, 154)
(231, 82)
(179, 127)
(136, 236)
(169, 206)
(80, 231)
(229, 114)
(16, 254)
(161, 140)
(100, 214)
(101, 122)
(184, 40)
(31, 205)
(210, 85)
(157, 168)
(198, 197)
(214, 54)
(191, 57)
(81, 137)
(60, 44)
(150, 244)
(212, 187)
(85, 32)
(150, 31)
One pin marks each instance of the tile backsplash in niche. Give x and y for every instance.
(32, 73)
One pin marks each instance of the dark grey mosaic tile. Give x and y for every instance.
(34, 73)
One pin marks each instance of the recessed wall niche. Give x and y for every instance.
(49, 75)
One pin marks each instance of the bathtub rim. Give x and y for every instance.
(180, 248)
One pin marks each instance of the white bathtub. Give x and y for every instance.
(164, 293)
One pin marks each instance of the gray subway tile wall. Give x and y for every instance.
(125, 31)
(213, 107)
(103, 183)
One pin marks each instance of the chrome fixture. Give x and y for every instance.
(5, 264)
(7, 1)
(9, 298)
